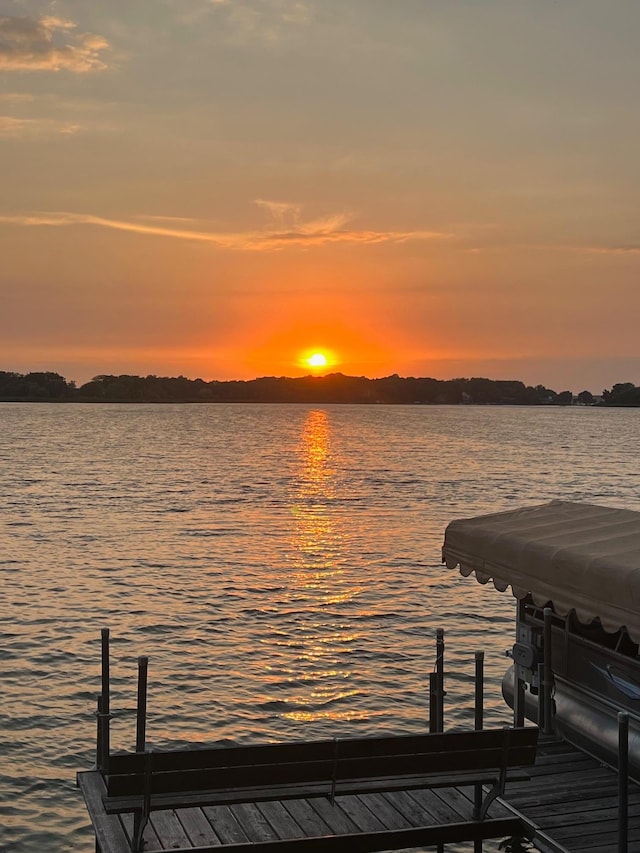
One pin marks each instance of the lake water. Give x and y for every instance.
(280, 565)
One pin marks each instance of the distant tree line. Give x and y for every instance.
(334, 388)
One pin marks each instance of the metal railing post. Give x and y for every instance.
(479, 695)
(548, 674)
(99, 732)
(141, 710)
(433, 710)
(541, 699)
(105, 712)
(518, 684)
(440, 677)
(623, 782)
(478, 725)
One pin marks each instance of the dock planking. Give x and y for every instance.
(366, 822)
(573, 799)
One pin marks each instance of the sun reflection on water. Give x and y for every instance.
(319, 640)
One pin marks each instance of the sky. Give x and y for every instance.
(222, 188)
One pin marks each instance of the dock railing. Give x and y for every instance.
(623, 782)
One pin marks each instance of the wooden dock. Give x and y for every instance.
(359, 794)
(416, 818)
(573, 801)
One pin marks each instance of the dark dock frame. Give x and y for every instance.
(358, 794)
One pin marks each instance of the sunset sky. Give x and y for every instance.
(220, 188)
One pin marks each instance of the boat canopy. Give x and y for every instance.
(581, 557)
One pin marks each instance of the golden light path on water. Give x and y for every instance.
(319, 578)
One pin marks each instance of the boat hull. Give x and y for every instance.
(584, 718)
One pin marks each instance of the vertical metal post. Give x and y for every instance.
(623, 782)
(479, 723)
(433, 711)
(141, 815)
(479, 697)
(542, 706)
(548, 674)
(141, 710)
(99, 732)
(518, 684)
(334, 772)
(440, 674)
(439, 692)
(106, 707)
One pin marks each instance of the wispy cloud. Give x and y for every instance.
(15, 98)
(48, 44)
(267, 21)
(572, 248)
(32, 128)
(319, 232)
(280, 211)
(609, 250)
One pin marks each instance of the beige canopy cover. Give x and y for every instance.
(581, 557)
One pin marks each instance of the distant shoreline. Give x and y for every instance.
(335, 388)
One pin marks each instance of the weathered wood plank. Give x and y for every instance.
(584, 809)
(371, 842)
(572, 758)
(567, 768)
(441, 810)
(253, 822)
(225, 824)
(563, 774)
(413, 812)
(498, 807)
(385, 811)
(169, 830)
(283, 824)
(363, 818)
(560, 815)
(307, 818)
(333, 816)
(548, 791)
(607, 828)
(108, 830)
(149, 836)
(198, 827)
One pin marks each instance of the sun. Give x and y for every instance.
(317, 359)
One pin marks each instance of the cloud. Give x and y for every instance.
(15, 98)
(609, 250)
(280, 211)
(48, 44)
(269, 21)
(577, 249)
(27, 128)
(320, 232)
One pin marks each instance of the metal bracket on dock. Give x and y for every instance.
(498, 787)
(141, 816)
(334, 772)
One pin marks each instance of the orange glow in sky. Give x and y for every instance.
(156, 221)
